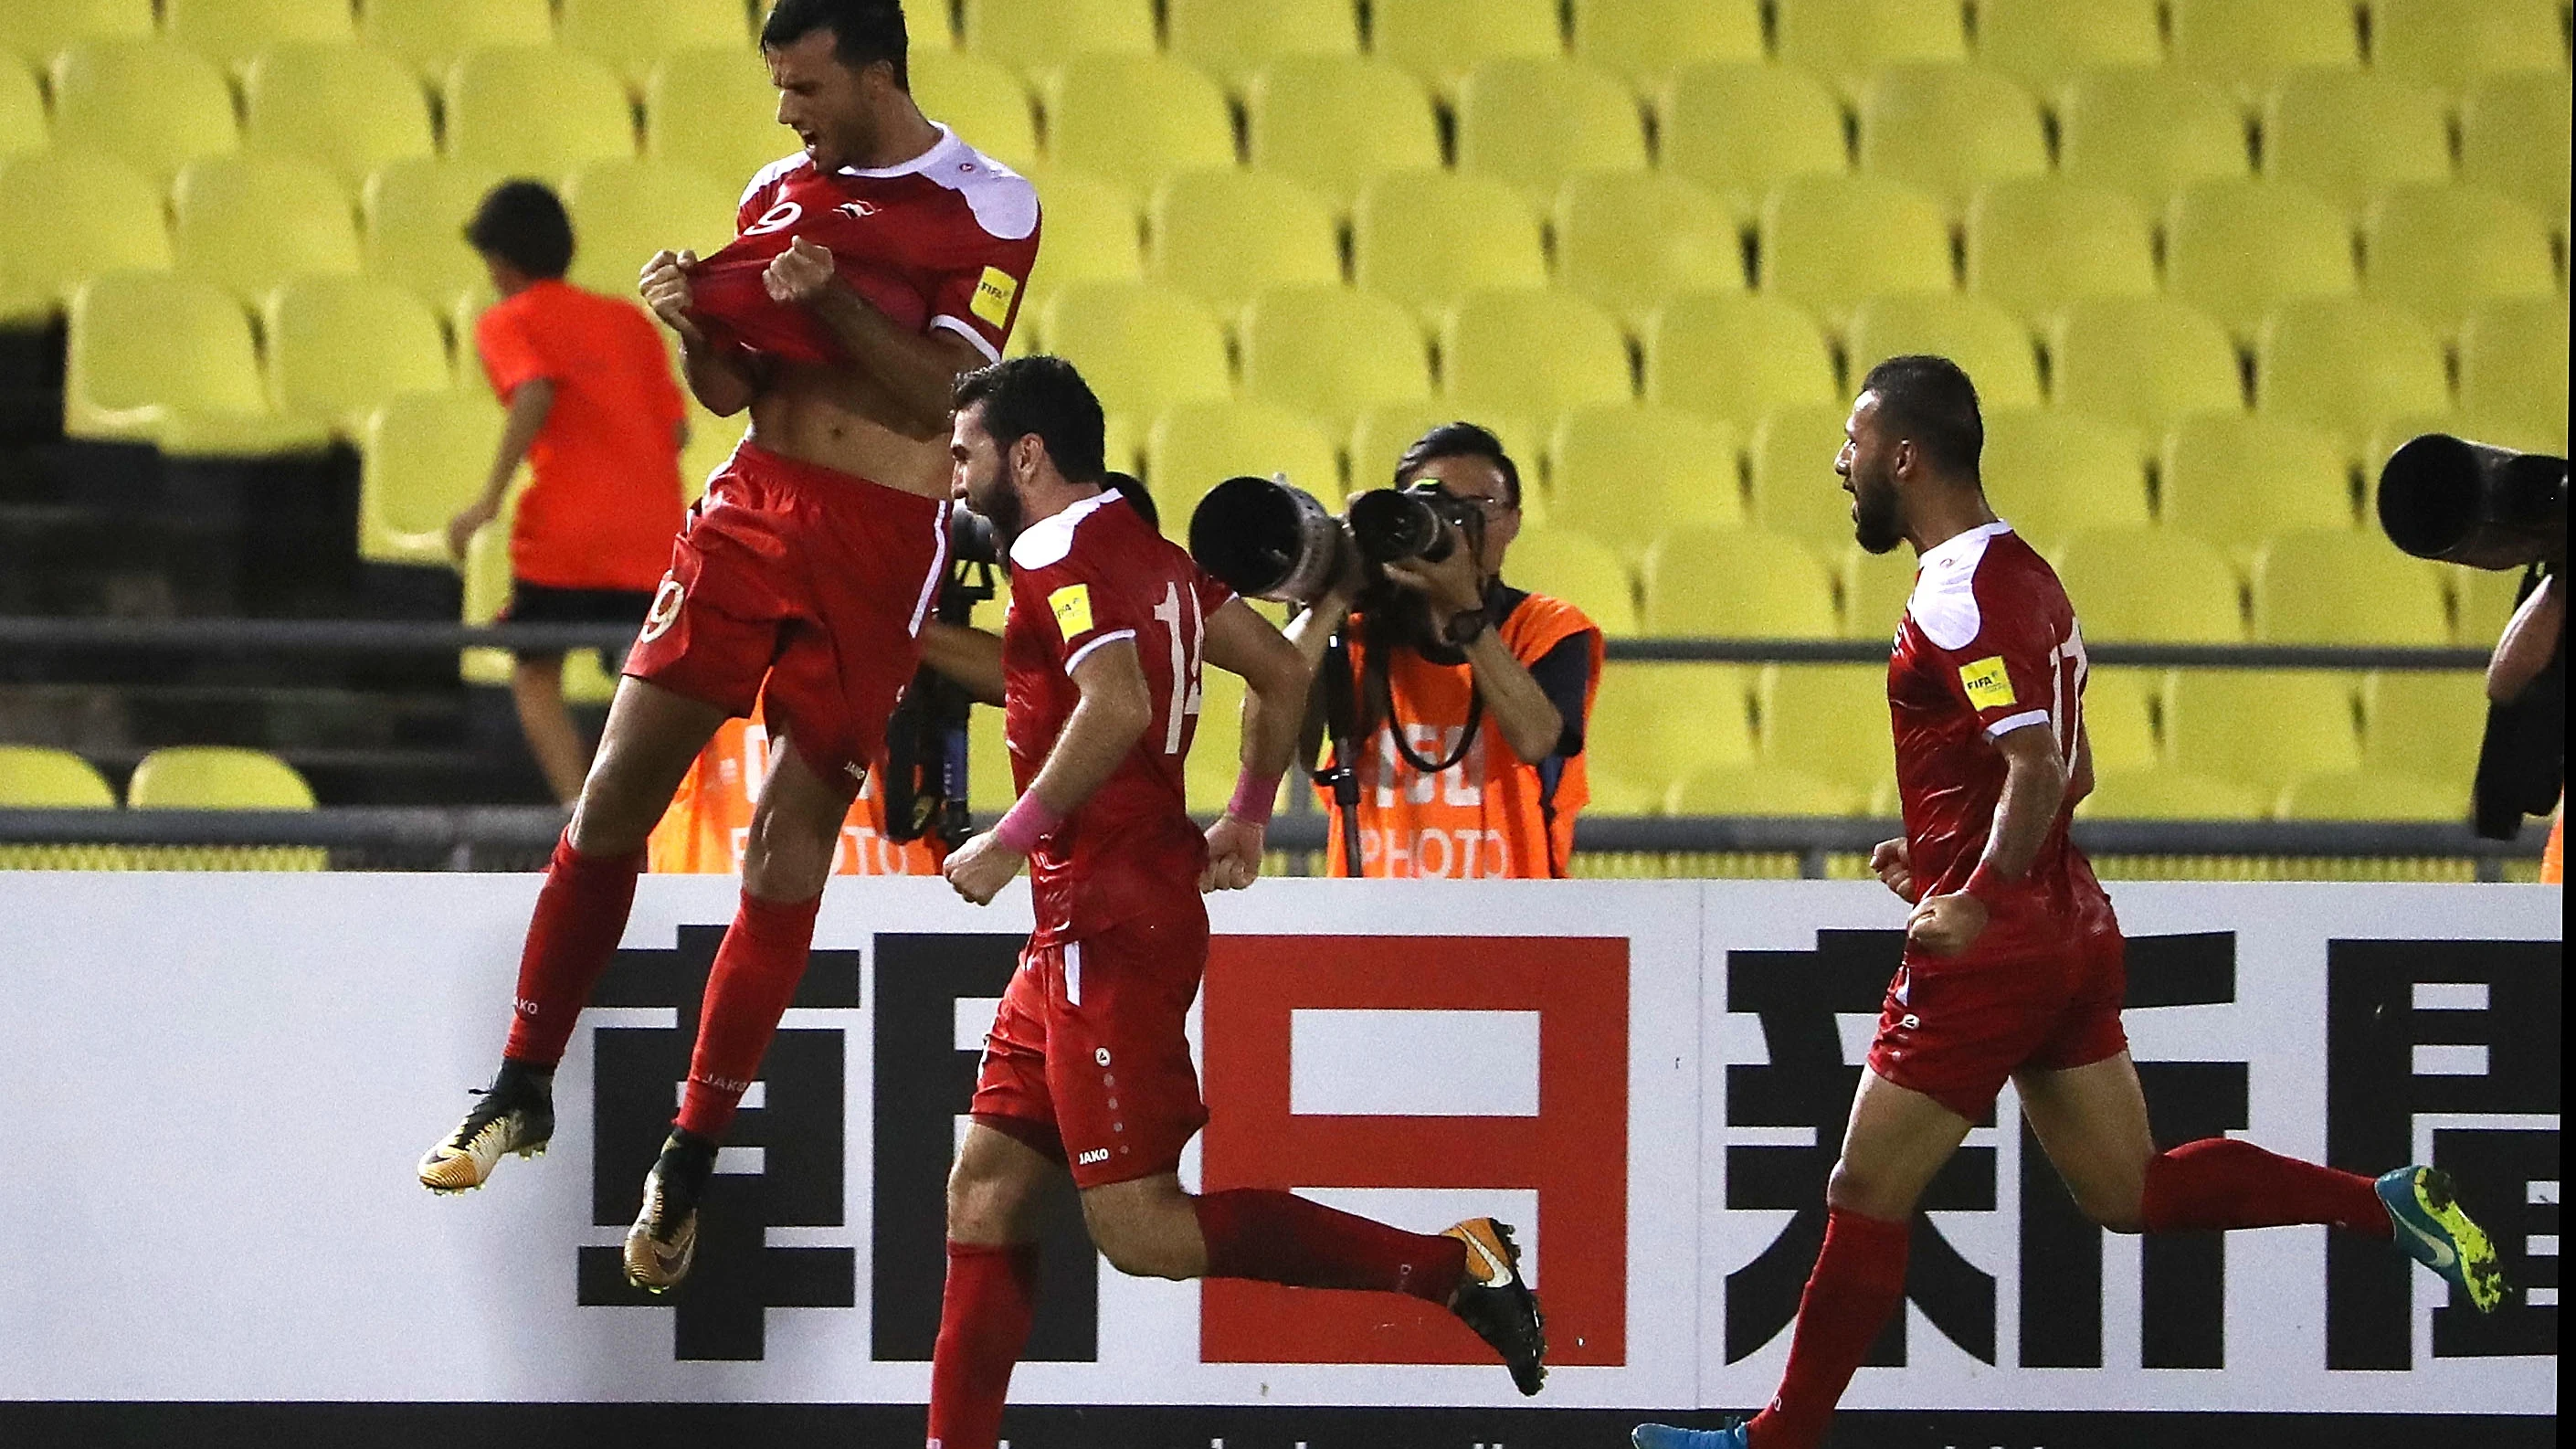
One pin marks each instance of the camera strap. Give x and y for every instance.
(1395, 726)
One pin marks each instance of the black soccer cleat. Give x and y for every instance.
(664, 1241)
(515, 1114)
(1495, 1300)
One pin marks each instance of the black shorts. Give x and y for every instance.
(546, 604)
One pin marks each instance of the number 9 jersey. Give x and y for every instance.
(1093, 575)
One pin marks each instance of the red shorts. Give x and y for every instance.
(1089, 1057)
(1956, 1031)
(803, 587)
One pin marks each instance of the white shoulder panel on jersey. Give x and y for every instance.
(774, 171)
(1944, 602)
(1044, 544)
(1004, 203)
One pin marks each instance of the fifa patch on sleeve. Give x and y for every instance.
(1072, 605)
(1988, 685)
(994, 293)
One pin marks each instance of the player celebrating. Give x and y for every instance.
(2012, 965)
(1088, 1065)
(873, 267)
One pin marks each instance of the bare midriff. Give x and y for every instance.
(841, 418)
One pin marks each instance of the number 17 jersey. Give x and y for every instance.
(1094, 575)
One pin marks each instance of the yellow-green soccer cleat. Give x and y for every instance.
(664, 1241)
(2423, 1206)
(1494, 1298)
(516, 1115)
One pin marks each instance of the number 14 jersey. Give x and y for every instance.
(1095, 574)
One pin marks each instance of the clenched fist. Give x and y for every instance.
(665, 285)
(801, 273)
(1892, 861)
(981, 867)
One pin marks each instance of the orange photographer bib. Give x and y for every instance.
(710, 817)
(1488, 815)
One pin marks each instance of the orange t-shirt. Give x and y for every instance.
(710, 816)
(605, 502)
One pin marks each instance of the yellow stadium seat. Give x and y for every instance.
(1193, 447)
(2046, 43)
(541, 113)
(1645, 41)
(2450, 43)
(2482, 602)
(2427, 723)
(431, 34)
(2038, 244)
(1827, 720)
(35, 778)
(1624, 474)
(2051, 472)
(2342, 364)
(988, 763)
(1760, 790)
(1441, 40)
(415, 214)
(1034, 36)
(715, 113)
(168, 360)
(2308, 724)
(1736, 358)
(1740, 583)
(1333, 122)
(1224, 235)
(2514, 138)
(2345, 587)
(424, 457)
(2437, 251)
(1630, 241)
(1795, 490)
(1564, 564)
(1847, 40)
(2150, 585)
(629, 36)
(1874, 588)
(1143, 348)
(2120, 707)
(230, 32)
(1532, 121)
(1531, 353)
(341, 107)
(2234, 249)
(1991, 343)
(216, 777)
(1740, 129)
(981, 100)
(2149, 133)
(1487, 238)
(66, 215)
(2235, 480)
(1332, 353)
(2144, 361)
(1233, 41)
(35, 33)
(247, 223)
(1949, 129)
(2170, 794)
(2247, 47)
(2349, 136)
(1091, 235)
(339, 346)
(623, 211)
(1382, 433)
(2513, 363)
(1133, 120)
(151, 105)
(2375, 795)
(24, 126)
(1830, 242)
(1654, 723)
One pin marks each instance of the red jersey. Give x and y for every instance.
(944, 240)
(1092, 575)
(1989, 645)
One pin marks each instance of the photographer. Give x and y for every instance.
(1469, 696)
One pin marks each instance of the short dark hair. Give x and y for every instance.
(1930, 401)
(1045, 396)
(863, 31)
(523, 223)
(1461, 440)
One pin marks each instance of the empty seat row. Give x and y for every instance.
(186, 777)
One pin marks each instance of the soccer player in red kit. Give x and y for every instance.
(873, 268)
(1087, 1068)
(2012, 966)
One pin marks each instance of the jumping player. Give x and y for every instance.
(1087, 1067)
(2012, 965)
(873, 268)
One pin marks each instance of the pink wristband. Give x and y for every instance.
(1254, 795)
(1985, 883)
(1026, 821)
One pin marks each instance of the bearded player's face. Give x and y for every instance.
(1867, 464)
(979, 476)
(822, 100)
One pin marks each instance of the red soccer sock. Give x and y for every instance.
(2219, 1183)
(1279, 1237)
(581, 911)
(984, 1319)
(1858, 1281)
(755, 976)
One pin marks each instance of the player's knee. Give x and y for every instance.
(2113, 1208)
(982, 1207)
(1856, 1187)
(1129, 1241)
(782, 860)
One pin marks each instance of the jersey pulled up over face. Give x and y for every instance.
(942, 242)
(1093, 575)
(1989, 645)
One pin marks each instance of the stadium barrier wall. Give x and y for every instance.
(219, 1085)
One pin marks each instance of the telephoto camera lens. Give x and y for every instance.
(1391, 525)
